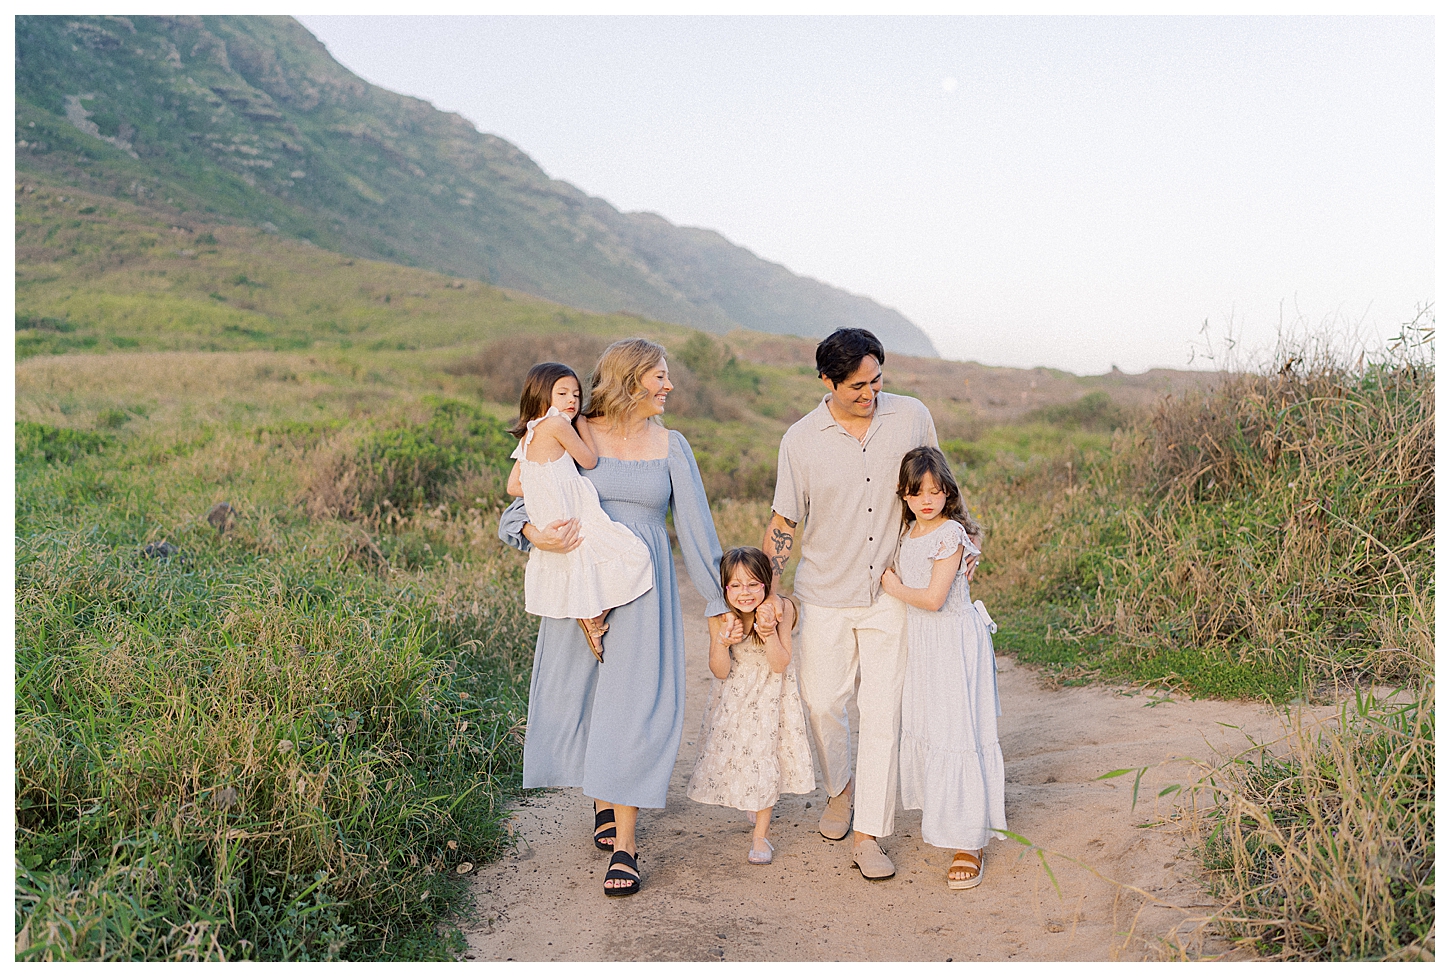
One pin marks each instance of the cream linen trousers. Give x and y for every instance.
(836, 643)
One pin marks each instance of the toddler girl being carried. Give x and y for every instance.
(611, 566)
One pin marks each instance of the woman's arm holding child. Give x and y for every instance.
(563, 432)
(933, 595)
(773, 622)
(516, 485)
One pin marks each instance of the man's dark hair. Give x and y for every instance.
(840, 353)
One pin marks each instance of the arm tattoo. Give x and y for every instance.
(783, 542)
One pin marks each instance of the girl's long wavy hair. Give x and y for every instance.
(538, 394)
(617, 383)
(915, 466)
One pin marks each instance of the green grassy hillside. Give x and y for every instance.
(250, 120)
(95, 274)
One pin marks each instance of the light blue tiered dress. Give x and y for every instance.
(951, 760)
(614, 728)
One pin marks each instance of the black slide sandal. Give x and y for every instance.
(628, 861)
(601, 818)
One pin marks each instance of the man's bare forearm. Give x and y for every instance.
(779, 541)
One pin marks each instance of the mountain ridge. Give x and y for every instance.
(252, 118)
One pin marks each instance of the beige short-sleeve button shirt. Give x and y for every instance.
(841, 493)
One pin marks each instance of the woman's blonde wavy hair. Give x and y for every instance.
(617, 383)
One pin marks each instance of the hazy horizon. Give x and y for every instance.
(1070, 192)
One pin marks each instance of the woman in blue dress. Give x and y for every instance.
(613, 728)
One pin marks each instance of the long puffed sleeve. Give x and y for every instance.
(511, 523)
(694, 526)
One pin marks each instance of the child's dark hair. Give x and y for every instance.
(538, 393)
(840, 353)
(915, 466)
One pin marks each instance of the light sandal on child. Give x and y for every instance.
(972, 863)
(761, 852)
(595, 637)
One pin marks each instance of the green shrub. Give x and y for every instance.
(45, 323)
(404, 467)
(1095, 411)
(48, 443)
(112, 417)
(48, 344)
(963, 452)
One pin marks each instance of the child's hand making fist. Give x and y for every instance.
(766, 620)
(732, 631)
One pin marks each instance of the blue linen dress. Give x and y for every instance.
(614, 728)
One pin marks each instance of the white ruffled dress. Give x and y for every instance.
(951, 762)
(610, 568)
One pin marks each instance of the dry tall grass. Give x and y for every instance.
(1282, 520)
(1322, 845)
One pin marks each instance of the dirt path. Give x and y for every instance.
(702, 901)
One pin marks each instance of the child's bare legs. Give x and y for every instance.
(761, 850)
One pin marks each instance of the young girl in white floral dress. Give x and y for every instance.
(755, 748)
(951, 762)
(611, 566)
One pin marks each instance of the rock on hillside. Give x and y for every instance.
(250, 118)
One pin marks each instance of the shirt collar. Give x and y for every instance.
(884, 405)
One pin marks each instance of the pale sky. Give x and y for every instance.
(1072, 192)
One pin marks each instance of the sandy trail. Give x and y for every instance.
(701, 900)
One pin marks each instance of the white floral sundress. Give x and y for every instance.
(755, 748)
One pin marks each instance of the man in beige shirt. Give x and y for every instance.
(836, 488)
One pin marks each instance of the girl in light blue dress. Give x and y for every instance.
(951, 762)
